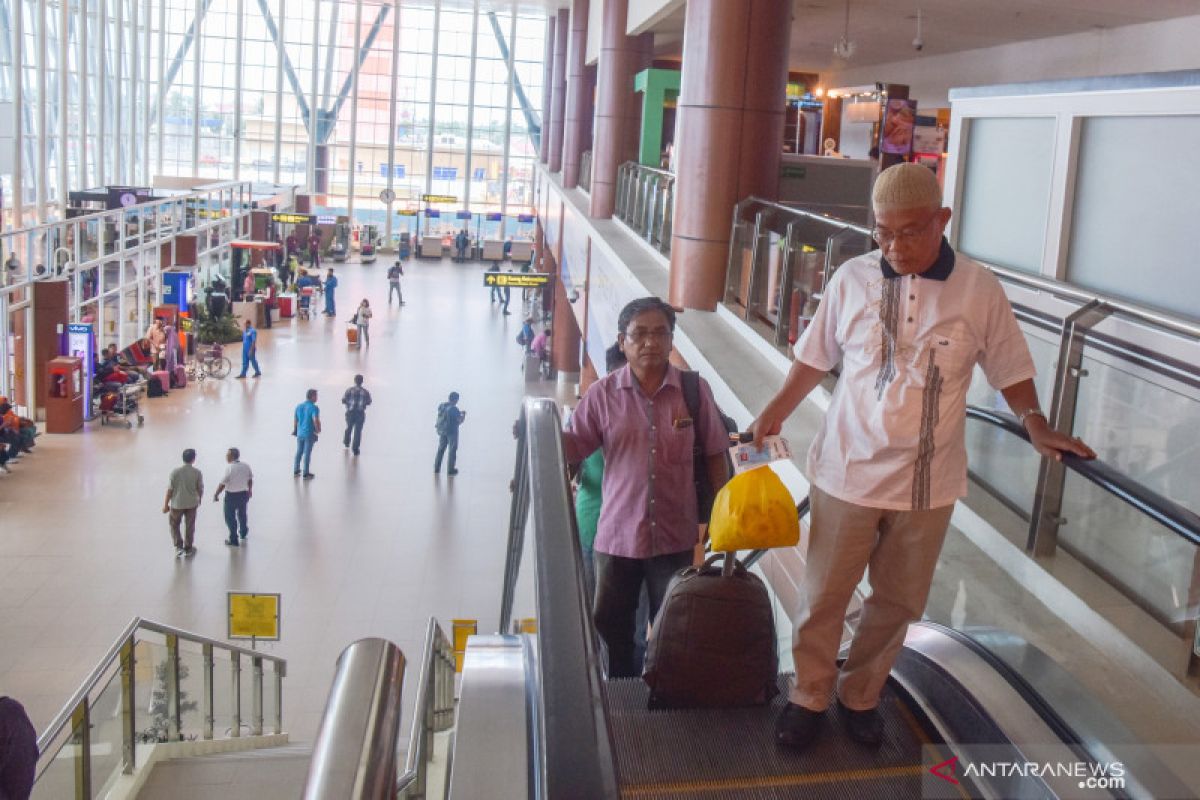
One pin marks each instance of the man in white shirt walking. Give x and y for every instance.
(238, 486)
(908, 323)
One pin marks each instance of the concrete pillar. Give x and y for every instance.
(578, 103)
(547, 88)
(730, 133)
(618, 62)
(558, 90)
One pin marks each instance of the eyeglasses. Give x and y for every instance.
(642, 335)
(885, 237)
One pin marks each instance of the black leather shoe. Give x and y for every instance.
(864, 727)
(797, 726)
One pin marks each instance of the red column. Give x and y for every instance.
(730, 133)
(565, 338)
(547, 88)
(577, 100)
(614, 84)
(558, 96)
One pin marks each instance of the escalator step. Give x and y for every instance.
(731, 753)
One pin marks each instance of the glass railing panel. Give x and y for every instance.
(1005, 464)
(152, 724)
(270, 704)
(106, 738)
(1148, 563)
(247, 697)
(525, 596)
(1143, 424)
(59, 764)
(740, 262)
(223, 696)
(191, 691)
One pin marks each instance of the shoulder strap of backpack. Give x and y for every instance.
(690, 383)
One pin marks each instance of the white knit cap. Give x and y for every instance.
(906, 186)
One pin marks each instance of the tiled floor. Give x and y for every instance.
(373, 546)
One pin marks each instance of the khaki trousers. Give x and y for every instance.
(901, 548)
(188, 517)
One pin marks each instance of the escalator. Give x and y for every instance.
(959, 721)
(977, 713)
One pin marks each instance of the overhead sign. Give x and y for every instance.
(494, 216)
(517, 280)
(253, 616)
(326, 219)
(294, 219)
(462, 214)
(407, 212)
(432, 212)
(524, 217)
(438, 198)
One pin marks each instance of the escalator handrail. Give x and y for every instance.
(577, 757)
(1161, 509)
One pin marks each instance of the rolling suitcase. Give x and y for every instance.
(179, 377)
(352, 334)
(714, 643)
(163, 378)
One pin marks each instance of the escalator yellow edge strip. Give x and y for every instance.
(770, 781)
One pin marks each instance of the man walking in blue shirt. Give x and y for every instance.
(305, 427)
(250, 350)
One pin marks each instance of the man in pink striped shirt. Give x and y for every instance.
(649, 517)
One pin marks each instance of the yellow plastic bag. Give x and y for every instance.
(754, 511)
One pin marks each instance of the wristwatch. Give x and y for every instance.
(1030, 412)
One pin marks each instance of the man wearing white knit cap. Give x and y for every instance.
(908, 323)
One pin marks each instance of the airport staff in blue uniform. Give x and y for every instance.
(330, 286)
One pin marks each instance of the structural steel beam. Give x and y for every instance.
(531, 120)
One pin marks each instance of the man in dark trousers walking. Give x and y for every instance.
(394, 273)
(356, 399)
(238, 486)
(449, 418)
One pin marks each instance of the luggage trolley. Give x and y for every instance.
(114, 401)
(304, 303)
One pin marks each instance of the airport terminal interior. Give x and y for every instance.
(216, 213)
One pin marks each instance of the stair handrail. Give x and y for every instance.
(356, 752)
(76, 713)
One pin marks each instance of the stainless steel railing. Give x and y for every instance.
(646, 202)
(94, 738)
(585, 171)
(356, 753)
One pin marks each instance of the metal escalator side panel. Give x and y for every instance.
(492, 737)
(576, 756)
(948, 678)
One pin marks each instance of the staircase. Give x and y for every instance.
(274, 773)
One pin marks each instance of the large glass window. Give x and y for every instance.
(153, 89)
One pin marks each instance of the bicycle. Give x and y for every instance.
(211, 362)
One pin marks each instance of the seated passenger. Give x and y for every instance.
(25, 428)
(889, 462)
(648, 527)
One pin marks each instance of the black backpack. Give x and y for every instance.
(705, 493)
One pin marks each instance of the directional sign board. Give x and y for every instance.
(294, 219)
(253, 616)
(438, 198)
(517, 280)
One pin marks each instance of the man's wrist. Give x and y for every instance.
(1030, 412)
